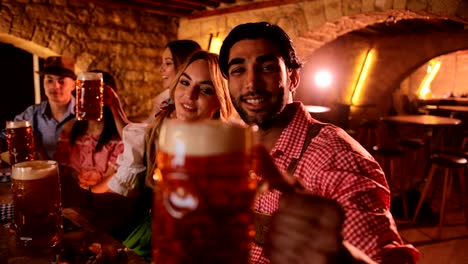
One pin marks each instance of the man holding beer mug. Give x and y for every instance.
(262, 69)
(49, 117)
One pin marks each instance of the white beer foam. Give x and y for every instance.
(89, 76)
(202, 138)
(34, 170)
(18, 124)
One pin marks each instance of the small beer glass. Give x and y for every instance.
(203, 193)
(89, 96)
(20, 141)
(37, 204)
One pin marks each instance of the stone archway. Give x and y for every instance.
(395, 57)
(312, 23)
(315, 25)
(26, 45)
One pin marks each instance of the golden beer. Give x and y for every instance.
(89, 96)
(20, 141)
(37, 204)
(204, 195)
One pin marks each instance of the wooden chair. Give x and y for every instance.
(449, 164)
(391, 160)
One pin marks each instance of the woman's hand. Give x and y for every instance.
(89, 178)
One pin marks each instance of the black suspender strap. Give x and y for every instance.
(312, 132)
(261, 220)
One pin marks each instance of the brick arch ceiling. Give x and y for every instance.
(310, 41)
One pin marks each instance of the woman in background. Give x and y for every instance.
(91, 147)
(174, 55)
(87, 152)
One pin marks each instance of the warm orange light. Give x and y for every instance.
(424, 90)
(362, 77)
(323, 79)
(215, 44)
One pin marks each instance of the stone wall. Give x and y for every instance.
(126, 43)
(312, 23)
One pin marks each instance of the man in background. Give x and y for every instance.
(49, 117)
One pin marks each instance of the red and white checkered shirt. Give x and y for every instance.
(335, 166)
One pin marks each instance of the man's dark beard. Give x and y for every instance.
(264, 120)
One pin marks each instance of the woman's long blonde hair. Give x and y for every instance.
(226, 110)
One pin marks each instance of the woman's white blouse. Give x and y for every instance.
(131, 161)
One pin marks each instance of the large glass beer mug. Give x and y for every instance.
(203, 193)
(89, 96)
(37, 204)
(20, 141)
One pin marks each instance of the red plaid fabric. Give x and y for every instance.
(336, 166)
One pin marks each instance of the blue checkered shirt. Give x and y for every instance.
(45, 127)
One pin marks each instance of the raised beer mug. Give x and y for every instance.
(203, 193)
(37, 204)
(89, 96)
(20, 141)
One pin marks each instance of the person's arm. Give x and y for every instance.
(112, 100)
(27, 114)
(112, 166)
(39, 148)
(307, 229)
(102, 186)
(359, 186)
(62, 154)
(130, 163)
(157, 101)
(306, 226)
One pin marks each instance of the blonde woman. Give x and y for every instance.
(174, 55)
(198, 92)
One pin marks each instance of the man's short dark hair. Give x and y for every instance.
(259, 30)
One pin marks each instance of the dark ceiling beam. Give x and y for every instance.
(241, 8)
(222, 1)
(409, 26)
(171, 4)
(142, 6)
(206, 3)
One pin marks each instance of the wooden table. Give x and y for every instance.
(317, 109)
(434, 135)
(453, 108)
(429, 122)
(81, 227)
(422, 120)
(318, 112)
(74, 246)
(443, 101)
